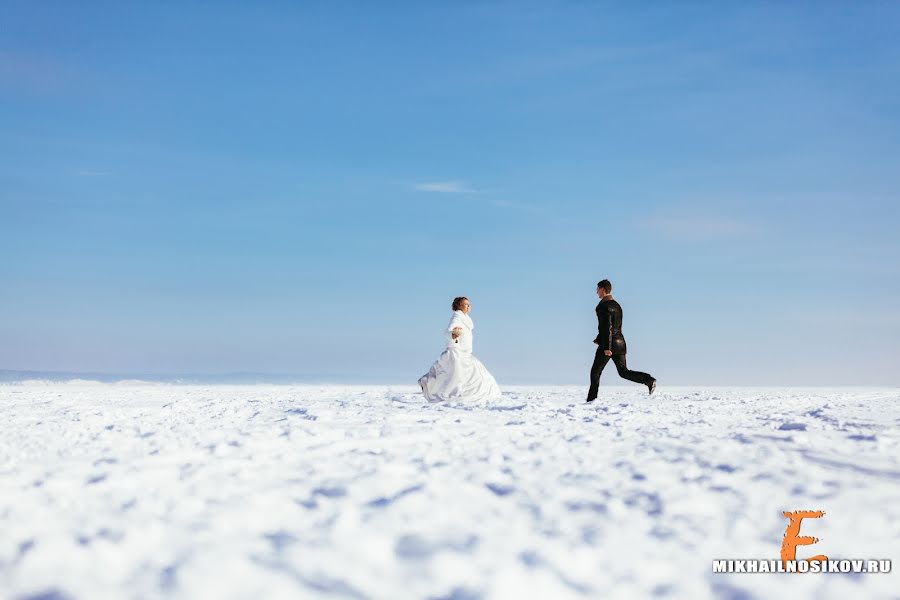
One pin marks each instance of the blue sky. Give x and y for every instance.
(302, 188)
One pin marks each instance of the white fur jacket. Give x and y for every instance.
(464, 341)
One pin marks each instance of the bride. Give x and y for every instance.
(457, 374)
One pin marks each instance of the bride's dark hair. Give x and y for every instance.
(457, 302)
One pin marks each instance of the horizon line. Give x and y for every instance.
(21, 376)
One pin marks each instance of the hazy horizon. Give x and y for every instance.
(238, 378)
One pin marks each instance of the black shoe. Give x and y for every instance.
(652, 386)
(589, 400)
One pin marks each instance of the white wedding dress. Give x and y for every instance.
(457, 374)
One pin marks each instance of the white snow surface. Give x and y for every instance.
(259, 492)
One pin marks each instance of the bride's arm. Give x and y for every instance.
(455, 328)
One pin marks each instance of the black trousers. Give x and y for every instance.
(600, 361)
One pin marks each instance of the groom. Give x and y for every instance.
(611, 343)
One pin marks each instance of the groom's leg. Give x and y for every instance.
(626, 373)
(600, 361)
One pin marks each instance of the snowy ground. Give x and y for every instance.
(146, 491)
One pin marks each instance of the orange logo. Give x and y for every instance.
(792, 537)
(789, 562)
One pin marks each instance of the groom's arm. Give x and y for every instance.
(604, 334)
(611, 315)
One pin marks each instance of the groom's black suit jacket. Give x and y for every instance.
(609, 327)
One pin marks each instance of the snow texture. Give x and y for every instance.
(178, 491)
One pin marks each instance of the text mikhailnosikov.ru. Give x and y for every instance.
(789, 563)
(801, 566)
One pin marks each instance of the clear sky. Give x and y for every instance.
(289, 187)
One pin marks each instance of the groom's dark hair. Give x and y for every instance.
(457, 302)
(605, 285)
